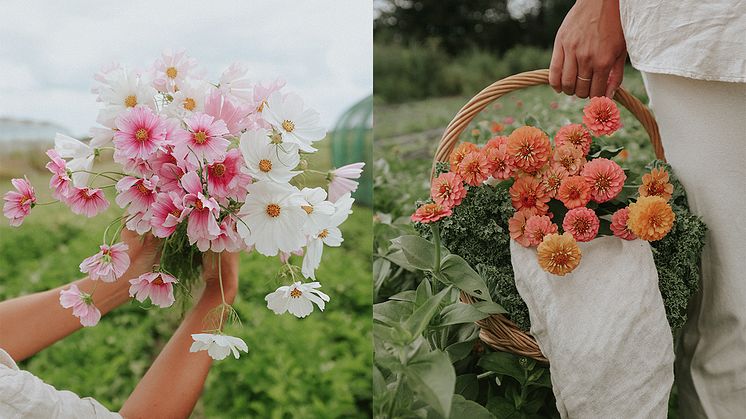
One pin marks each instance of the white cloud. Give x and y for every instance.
(50, 50)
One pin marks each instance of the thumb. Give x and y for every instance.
(616, 75)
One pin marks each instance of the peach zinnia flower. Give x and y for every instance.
(448, 190)
(574, 192)
(431, 212)
(497, 142)
(474, 168)
(559, 254)
(619, 224)
(601, 116)
(552, 178)
(459, 152)
(499, 161)
(569, 157)
(650, 218)
(527, 194)
(656, 183)
(538, 226)
(517, 228)
(582, 223)
(574, 134)
(605, 178)
(530, 148)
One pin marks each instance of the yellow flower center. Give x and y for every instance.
(261, 106)
(218, 169)
(295, 293)
(273, 210)
(158, 281)
(198, 205)
(323, 234)
(288, 126)
(308, 209)
(189, 104)
(171, 72)
(265, 165)
(130, 101)
(200, 137)
(141, 134)
(143, 190)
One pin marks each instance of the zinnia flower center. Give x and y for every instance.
(561, 258)
(171, 72)
(218, 169)
(526, 151)
(265, 165)
(581, 226)
(323, 234)
(273, 210)
(308, 209)
(200, 137)
(130, 101)
(189, 104)
(141, 134)
(288, 126)
(295, 293)
(602, 183)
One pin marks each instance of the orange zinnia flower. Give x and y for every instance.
(601, 116)
(537, 227)
(559, 254)
(458, 154)
(517, 228)
(474, 168)
(530, 148)
(552, 177)
(569, 157)
(656, 183)
(527, 194)
(650, 218)
(428, 213)
(576, 135)
(574, 192)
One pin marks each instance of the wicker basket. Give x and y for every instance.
(497, 331)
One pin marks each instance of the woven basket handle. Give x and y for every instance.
(534, 78)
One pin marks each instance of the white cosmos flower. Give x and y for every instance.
(298, 299)
(218, 346)
(317, 207)
(172, 69)
(326, 233)
(297, 124)
(266, 160)
(189, 99)
(272, 218)
(234, 84)
(122, 90)
(81, 155)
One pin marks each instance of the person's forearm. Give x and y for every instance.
(30, 323)
(174, 382)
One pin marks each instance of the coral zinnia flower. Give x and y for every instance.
(499, 161)
(107, 265)
(517, 228)
(87, 201)
(530, 148)
(431, 212)
(459, 152)
(538, 226)
(559, 254)
(527, 194)
(448, 190)
(601, 116)
(656, 183)
(582, 223)
(474, 168)
(497, 142)
(569, 157)
(139, 133)
(576, 135)
(574, 192)
(619, 224)
(18, 203)
(650, 218)
(552, 177)
(605, 178)
(158, 286)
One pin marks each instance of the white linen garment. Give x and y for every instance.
(24, 396)
(703, 128)
(691, 38)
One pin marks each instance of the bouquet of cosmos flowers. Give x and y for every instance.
(204, 166)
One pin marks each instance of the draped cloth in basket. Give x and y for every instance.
(603, 328)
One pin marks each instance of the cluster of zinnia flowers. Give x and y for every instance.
(563, 171)
(219, 158)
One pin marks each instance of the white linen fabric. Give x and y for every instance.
(603, 329)
(23, 395)
(690, 38)
(703, 128)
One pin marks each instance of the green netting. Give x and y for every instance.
(352, 141)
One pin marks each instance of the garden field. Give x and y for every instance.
(295, 368)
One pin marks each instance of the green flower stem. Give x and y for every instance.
(222, 293)
(397, 386)
(436, 240)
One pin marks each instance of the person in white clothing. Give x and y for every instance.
(693, 58)
(169, 389)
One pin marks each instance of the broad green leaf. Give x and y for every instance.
(502, 408)
(392, 312)
(503, 363)
(467, 385)
(606, 152)
(407, 295)
(397, 258)
(460, 350)
(489, 307)
(419, 252)
(458, 313)
(432, 377)
(462, 408)
(381, 271)
(419, 320)
(424, 291)
(457, 271)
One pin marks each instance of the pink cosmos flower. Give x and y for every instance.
(222, 176)
(158, 286)
(601, 116)
(236, 117)
(82, 305)
(517, 228)
(228, 239)
(140, 133)
(574, 134)
(168, 211)
(261, 93)
(140, 221)
(569, 157)
(18, 203)
(169, 175)
(203, 225)
(205, 139)
(582, 223)
(538, 226)
(172, 69)
(135, 165)
(448, 189)
(619, 224)
(61, 182)
(138, 193)
(107, 265)
(87, 201)
(605, 179)
(341, 180)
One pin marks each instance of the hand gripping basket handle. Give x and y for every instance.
(534, 78)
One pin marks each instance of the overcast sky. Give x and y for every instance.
(49, 50)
